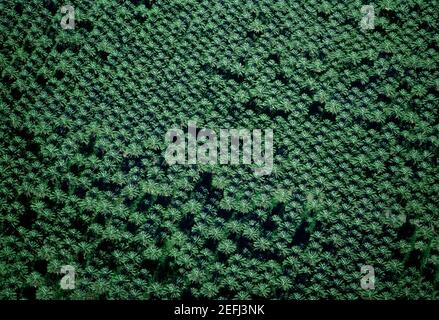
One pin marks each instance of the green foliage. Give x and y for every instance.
(83, 181)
